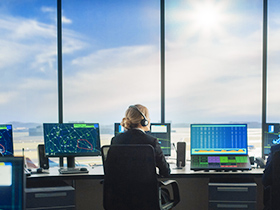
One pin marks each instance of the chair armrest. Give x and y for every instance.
(167, 182)
(175, 189)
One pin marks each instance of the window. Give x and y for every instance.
(28, 95)
(214, 64)
(273, 62)
(110, 60)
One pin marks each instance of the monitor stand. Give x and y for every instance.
(71, 167)
(70, 162)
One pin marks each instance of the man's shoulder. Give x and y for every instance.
(275, 148)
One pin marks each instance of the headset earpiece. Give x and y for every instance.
(144, 122)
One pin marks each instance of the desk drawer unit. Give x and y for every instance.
(54, 198)
(232, 196)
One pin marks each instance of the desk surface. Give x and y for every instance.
(96, 172)
(193, 184)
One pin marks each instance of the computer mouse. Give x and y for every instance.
(83, 169)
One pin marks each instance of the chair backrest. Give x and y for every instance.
(130, 180)
(275, 188)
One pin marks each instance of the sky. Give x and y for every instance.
(111, 60)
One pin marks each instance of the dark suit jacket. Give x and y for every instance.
(267, 176)
(136, 136)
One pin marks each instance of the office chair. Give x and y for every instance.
(130, 180)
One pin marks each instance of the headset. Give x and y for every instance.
(144, 122)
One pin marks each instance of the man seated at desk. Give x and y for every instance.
(267, 179)
(267, 176)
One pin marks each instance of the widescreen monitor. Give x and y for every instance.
(271, 136)
(71, 140)
(12, 183)
(6, 140)
(159, 130)
(219, 139)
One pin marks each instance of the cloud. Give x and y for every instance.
(48, 9)
(29, 60)
(33, 44)
(207, 80)
(28, 50)
(109, 79)
(6, 97)
(218, 76)
(28, 47)
(53, 15)
(215, 81)
(32, 100)
(66, 20)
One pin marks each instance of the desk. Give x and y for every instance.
(193, 185)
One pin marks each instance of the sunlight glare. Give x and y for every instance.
(207, 16)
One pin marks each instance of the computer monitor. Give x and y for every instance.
(118, 129)
(162, 131)
(71, 140)
(6, 140)
(271, 136)
(12, 183)
(219, 139)
(159, 130)
(219, 147)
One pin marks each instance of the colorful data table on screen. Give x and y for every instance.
(219, 146)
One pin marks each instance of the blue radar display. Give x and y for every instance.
(6, 140)
(71, 139)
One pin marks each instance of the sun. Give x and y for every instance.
(205, 18)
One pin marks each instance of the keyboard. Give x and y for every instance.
(220, 162)
(72, 171)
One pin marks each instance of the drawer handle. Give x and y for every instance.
(49, 195)
(238, 206)
(233, 189)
